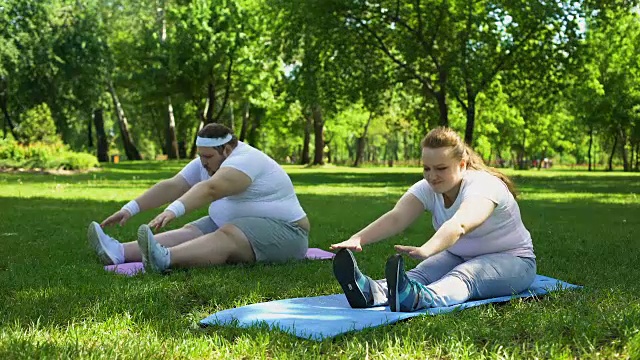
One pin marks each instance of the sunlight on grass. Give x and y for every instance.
(56, 302)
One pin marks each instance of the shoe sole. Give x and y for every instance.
(392, 273)
(344, 266)
(96, 245)
(143, 244)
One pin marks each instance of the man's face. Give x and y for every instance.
(211, 158)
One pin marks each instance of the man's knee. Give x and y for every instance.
(193, 229)
(228, 231)
(236, 243)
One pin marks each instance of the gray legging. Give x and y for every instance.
(452, 280)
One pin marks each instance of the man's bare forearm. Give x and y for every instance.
(162, 193)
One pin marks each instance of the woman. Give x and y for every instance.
(480, 249)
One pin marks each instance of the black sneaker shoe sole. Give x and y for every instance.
(392, 273)
(344, 269)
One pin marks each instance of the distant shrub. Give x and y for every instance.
(37, 125)
(43, 156)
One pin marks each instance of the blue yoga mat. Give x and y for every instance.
(321, 317)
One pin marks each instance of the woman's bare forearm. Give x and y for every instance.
(385, 226)
(447, 235)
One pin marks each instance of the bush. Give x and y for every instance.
(77, 161)
(37, 125)
(43, 156)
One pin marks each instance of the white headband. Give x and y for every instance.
(213, 142)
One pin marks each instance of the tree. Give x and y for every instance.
(608, 90)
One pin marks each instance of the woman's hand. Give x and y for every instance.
(121, 216)
(413, 251)
(351, 244)
(162, 220)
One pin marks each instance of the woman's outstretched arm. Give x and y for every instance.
(471, 214)
(405, 212)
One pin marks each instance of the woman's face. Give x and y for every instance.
(441, 170)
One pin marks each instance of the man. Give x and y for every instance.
(254, 214)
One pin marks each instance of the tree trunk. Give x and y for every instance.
(102, 149)
(613, 152)
(305, 158)
(201, 115)
(227, 88)
(7, 119)
(407, 146)
(590, 146)
(441, 97)
(231, 118)
(544, 155)
(638, 157)
(89, 134)
(361, 142)
(318, 132)
(632, 157)
(471, 119)
(252, 137)
(391, 150)
(159, 132)
(172, 139)
(443, 108)
(625, 151)
(245, 121)
(129, 147)
(521, 152)
(194, 148)
(211, 102)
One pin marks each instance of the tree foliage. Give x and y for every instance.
(318, 81)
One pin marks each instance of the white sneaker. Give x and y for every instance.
(155, 257)
(104, 245)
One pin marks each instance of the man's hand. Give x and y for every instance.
(162, 220)
(351, 244)
(121, 216)
(413, 251)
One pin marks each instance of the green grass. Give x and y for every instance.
(57, 302)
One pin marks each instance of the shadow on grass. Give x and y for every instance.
(152, 171)
(357, 179)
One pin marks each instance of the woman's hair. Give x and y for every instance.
(215, 130)
(441, 137)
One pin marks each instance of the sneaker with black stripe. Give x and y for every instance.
(356, 285)
(405, 294)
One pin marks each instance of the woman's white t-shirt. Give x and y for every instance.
(502, 232)
(270, 195)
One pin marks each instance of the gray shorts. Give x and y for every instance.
(272, 240)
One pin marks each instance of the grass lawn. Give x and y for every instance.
(56, 301)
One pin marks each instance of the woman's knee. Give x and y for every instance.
(434, 268)
(496, 275)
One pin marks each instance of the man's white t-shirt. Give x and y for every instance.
(502, 232)
(270, 195)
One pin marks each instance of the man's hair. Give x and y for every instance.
(215, 130)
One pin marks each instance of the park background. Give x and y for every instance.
(101, 99)
(314, 82)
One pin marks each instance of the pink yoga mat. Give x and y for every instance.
(133, 268)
